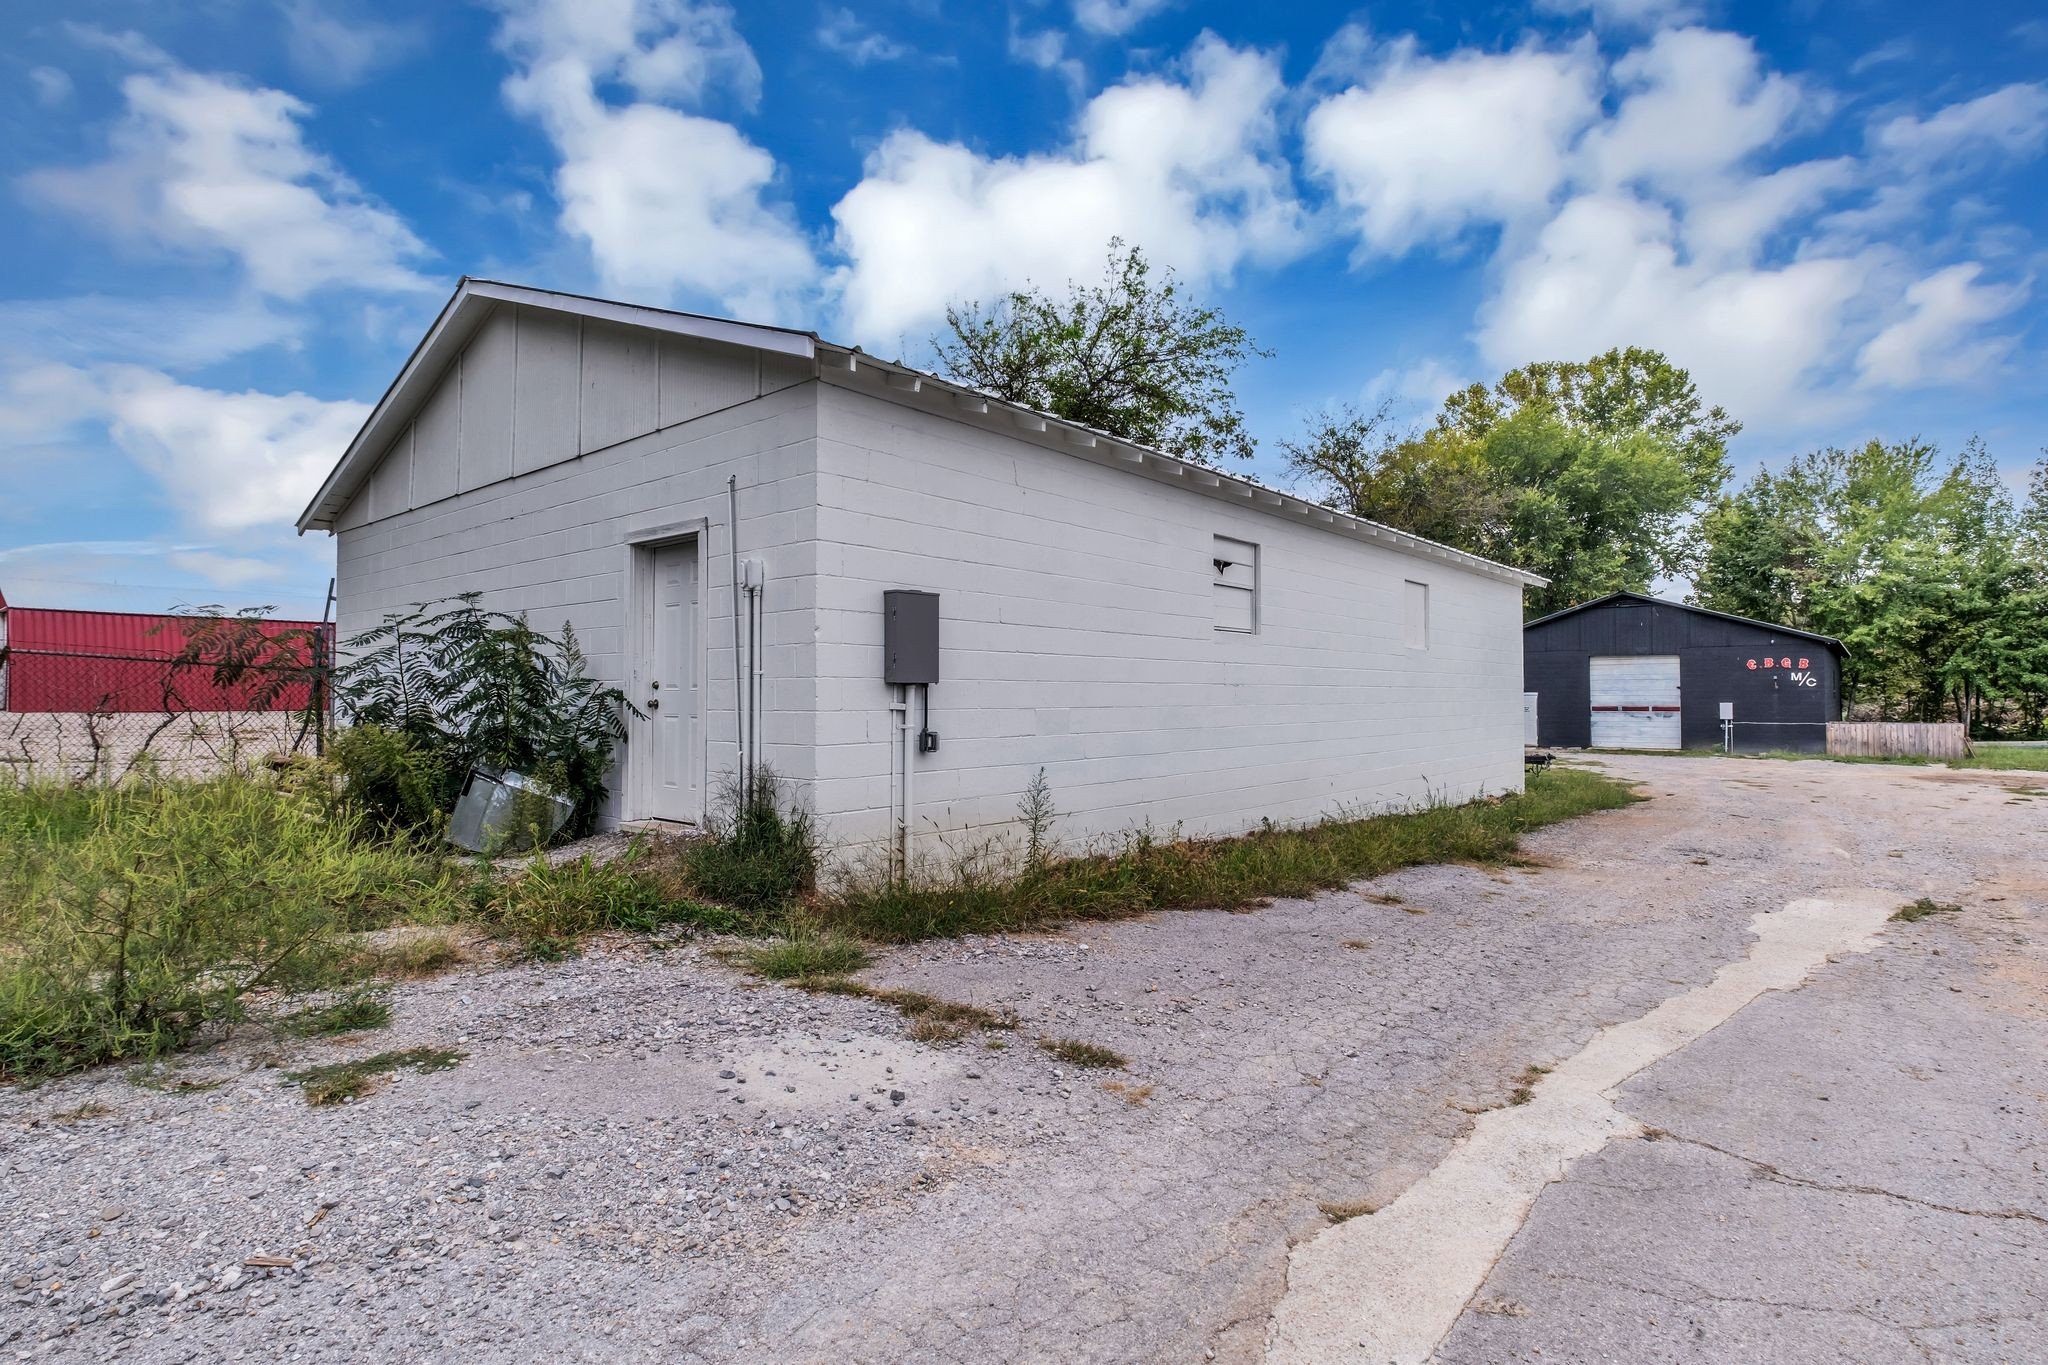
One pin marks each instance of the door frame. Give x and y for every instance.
(636, 780)
(1677, 713)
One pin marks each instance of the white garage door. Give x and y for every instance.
(1635, 702)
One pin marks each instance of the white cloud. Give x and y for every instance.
(1896, 50)
(1114, 18)
(1699, 105)
(223, 570)
(52, 86)
(1637, 14)
(668, 202)
(1735, 225)
(661, 49)
(40, 400)
(1664, 222)
(332, 44)
(203, 164)
(2013, 120)
(1047, 50)
(1428, 147)
(175, 331)
(159, 575)
(1609, 271)
(843, 32)
(227, 461)
(1934, 342)
(1419, 388)
(1184, 166)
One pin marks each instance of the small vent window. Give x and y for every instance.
(1235, 585)
(1415, 615)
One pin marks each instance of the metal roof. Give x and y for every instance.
(1686, 606)
(847, 366)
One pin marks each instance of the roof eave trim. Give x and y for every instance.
(1592, 602)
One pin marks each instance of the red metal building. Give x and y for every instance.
(54, 659)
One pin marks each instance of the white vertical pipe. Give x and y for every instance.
(901, 706)
(739, 708)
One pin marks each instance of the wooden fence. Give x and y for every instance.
(1897, 739)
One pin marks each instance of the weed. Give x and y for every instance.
(1077, 1053)
(546, 907)
(407, 953)
(1922, 908)
(1146, 871)
(763, 849)
(155, 1076)
(1383, 898)
(1361, 944)
(1133, 1095)
(1525, 1084)
(801, 954)
(932, 1020)
(1036, 812)
(340, 1082)
(1343, 1210)
(78, 1113)
(353, 1013)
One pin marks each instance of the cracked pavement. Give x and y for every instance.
(1847, 1170)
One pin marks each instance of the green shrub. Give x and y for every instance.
(469, 688)
(133, 917)
(762, 852)
(404, 784)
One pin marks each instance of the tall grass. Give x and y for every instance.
(1144, 872)
(133, 917)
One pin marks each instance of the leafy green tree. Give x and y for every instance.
(1130, 356)
(1924, 570)
(1590, 474)
(1626, 392)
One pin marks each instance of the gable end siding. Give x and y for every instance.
(536, 388)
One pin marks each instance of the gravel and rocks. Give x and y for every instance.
(648, 1156)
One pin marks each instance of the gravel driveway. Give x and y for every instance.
(646, 1156)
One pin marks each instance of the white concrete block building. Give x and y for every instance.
(1173, 645)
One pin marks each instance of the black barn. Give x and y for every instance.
(1627, 671)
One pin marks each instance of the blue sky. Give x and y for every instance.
(228, 221)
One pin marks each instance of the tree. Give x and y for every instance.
(1587, 474)
(1355, 461)
(1926, 573)
(1129, 356)
(1628, 391)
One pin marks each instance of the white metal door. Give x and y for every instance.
(1635, 702)
(1529, 727)
(673, 787)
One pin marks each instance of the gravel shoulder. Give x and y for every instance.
(647, 1156)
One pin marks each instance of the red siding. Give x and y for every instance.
(119, 661)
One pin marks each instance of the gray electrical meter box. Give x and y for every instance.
(910, 636)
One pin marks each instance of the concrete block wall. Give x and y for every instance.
(553, 543)
(1077, 634)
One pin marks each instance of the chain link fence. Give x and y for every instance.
(89, 717)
